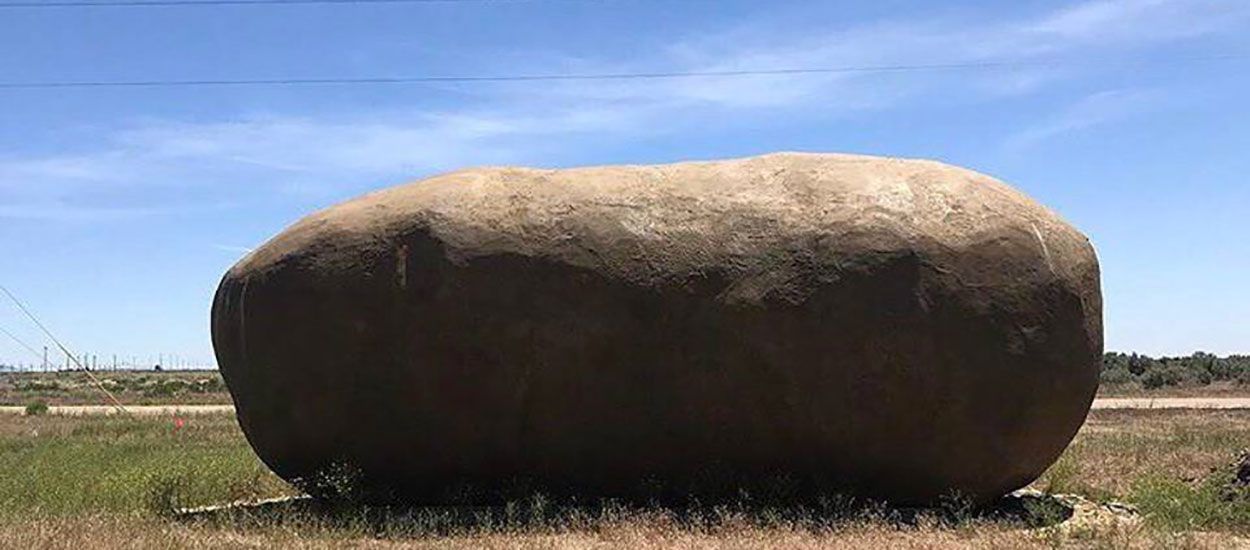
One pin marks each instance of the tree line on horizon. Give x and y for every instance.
(1124, 369)
(1197, 369)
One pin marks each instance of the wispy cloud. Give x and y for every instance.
(1139, 21)
(283, 153)
(1094, 110)
(286, 155)
(232, 248)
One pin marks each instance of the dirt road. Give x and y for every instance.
(1101, 403)
(1172, 403)
(142, 410)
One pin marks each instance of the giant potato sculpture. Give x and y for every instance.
(898, 329)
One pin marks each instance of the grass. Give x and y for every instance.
(637, 530)
(1116, 449)
(1178, 506)
(57, 465)
(206, 387)
(1214, 389)
(36, 408)
(130, 387)
(641, 531)
(92, 482)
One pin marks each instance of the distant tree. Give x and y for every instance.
(1162, 374)
(1139, 364)
(1115, 361)
(1116, 375)
(1198, 369)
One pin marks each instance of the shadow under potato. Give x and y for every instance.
(1024, 509)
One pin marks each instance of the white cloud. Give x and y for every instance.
(523, 122)
(286, 155)
(1093, 110)
(1136, 21)
(232, 248)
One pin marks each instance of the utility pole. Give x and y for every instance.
(45, 359)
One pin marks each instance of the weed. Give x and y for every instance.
(118, 479)
(1174, 505)
(166, 495)
(1061, 476)
(37, 408)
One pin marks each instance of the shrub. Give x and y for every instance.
(1062, 475)
(1163, 374)
(166, 388)
(1199, 368)
(166, 495)
(207, 385)
(37, 408)
(1203, 377)
(39, 386)
(1116, 375)
(1178, 506)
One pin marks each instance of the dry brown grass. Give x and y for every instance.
(1117, 448)
(1214, 389)
(1112, 453)
(130, 387)
(640, 532)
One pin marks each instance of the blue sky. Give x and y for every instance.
(120, 208)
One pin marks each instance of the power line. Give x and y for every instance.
(116, 404)
(862, 69)
(194, 3)
(20, 342)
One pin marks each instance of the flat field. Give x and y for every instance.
(198, 387)
(205, 387)
(1214, 389)
(105, 482)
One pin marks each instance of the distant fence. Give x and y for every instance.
(111, 362)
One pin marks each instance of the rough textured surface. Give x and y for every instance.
(792, 322)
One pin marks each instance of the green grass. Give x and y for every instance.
(1174, 505)
(58, 465)
(124, 475)
(36, 408)
(1117, 450)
